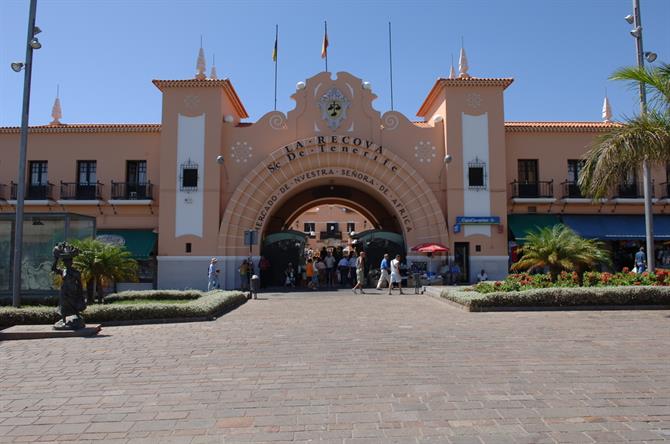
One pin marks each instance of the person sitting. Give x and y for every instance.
(482, 276)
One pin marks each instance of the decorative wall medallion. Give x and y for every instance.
(191, 101)
(390, 122)
(334, 107)
(474, 100)
(241, 152)
(425, 152)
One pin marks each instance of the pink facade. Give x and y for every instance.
(213, 176)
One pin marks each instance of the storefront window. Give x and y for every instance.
(5, 253)
(39, 237)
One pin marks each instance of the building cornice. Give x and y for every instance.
(559, 127)
(207, 83)
(466, 82)
(87, 128)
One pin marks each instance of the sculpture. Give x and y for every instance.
(71, 299)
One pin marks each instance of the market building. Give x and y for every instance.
(188, 188)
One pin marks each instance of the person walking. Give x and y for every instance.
(264, 267)
(384, 268)
(212, 276)
(343, 266)
(352, 268)
(395, 274)
(640, 261)
(360, 272)
(244, 272)
(330, 262)
(312, 275)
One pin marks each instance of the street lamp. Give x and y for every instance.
(31, 44)
(636, 21)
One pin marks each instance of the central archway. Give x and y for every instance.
(305, 165)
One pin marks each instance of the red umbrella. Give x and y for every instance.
(430, 248)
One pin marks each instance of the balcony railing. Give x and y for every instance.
(34, 192)
(530, 190)
(76, 191)
(571, 190)
(330, 235)
(132, 191)
(634, 190)
(665, 190)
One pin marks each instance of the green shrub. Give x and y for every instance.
(209, 305)
(135, 295)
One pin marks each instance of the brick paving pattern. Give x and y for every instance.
(347, 368)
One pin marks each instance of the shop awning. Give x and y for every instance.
(140, 243)
(285, 235)
(522, 224)
(369, 235)
(617, 227)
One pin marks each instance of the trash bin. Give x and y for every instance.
(255, 286)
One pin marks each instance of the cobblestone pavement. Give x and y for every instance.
(348, 368)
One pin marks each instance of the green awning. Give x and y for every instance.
(522, 224)
(140, 243)
(370, 235)
(285, 235)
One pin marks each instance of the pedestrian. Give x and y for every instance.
(395, 274)
(289, 275)
(330, 262)
(343, 266)
(321, 270)
(212, 276)
(352, 268)
(312, 275)
(264, 267)
(360, 272)
(482, 276)
(244, 272)
(640, 261)
(384, 268)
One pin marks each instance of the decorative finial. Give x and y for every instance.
(463, 63)
(201, 64)
(452, 71)
(56, 111)
(607, 110)
(212, 73)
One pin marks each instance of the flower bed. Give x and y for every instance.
(526, 281)
(205, 306)
(605, 296)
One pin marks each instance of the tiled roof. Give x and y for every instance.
(472, 81)
(88, 128)
(195, 83)
(531, 127)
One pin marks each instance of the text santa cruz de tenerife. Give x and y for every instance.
(323, 145)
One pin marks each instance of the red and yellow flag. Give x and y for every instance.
(324, 46)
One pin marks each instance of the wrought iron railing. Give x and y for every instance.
(633, 190)
(33, 192)
(539, 189)
(77, 191)
(571, 190)
(665, 190)
(330, 235)
(132, 191)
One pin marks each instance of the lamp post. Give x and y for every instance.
(447, 160)
(635, 20)
(31, 44)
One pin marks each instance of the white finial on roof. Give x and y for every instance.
(463, 63)
(452, 71)
(201, 64)
(56, 111)
(212, 73)
(607, 110)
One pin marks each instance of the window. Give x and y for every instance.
(38, 172)
(351, 226)
(189, 176)
(477, 174)
(574, 168)
(86, 172)
(528, 170)
(309, 227)
(332, 227)
(136, 172)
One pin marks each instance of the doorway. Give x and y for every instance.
(462, 260)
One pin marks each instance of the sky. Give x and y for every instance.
(104, 53)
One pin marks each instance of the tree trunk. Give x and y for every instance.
(89, 291)
(100, 289)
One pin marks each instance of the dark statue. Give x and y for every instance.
(71, 301)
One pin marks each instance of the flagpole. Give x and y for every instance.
(391, 65)
(276, 60)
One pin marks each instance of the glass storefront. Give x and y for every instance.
(41, 231)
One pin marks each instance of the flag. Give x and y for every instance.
(274, 51)
(324, 46)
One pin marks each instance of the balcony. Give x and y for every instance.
(665, 190)
(632, 193)
(41, 193)
(533, 192)
(330, 235)
(132, 191)
(83, 193)
(571, 190)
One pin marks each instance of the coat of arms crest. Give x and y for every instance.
(334, 107)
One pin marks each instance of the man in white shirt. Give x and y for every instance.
(384, 272)
(395, 274)
(330, 262)
(482, 276)
(212, 276)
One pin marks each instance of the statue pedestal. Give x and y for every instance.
(46, 331)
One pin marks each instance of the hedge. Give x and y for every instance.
(207, 306)
(562, 297)
(135, 295)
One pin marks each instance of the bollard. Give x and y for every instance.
(255, 286)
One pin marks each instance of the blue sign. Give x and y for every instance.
(476, 220)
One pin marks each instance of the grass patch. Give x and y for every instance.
(561, 297)
(136, 307)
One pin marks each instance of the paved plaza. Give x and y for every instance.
(348, 368)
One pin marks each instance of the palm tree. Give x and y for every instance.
(101, 263)
(647, 136)
(558, 248)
